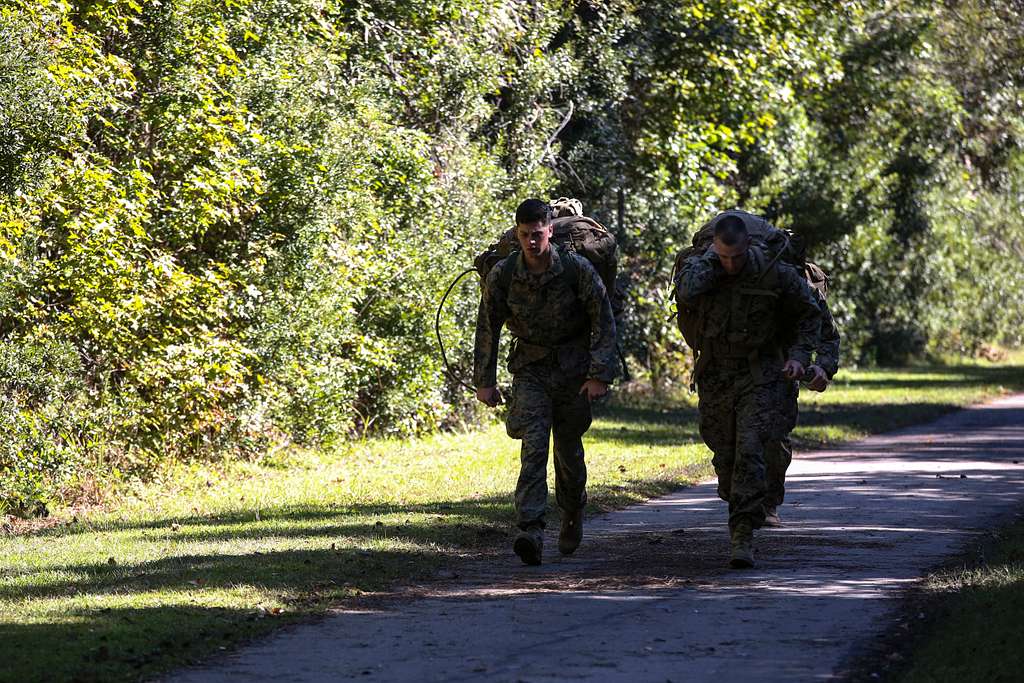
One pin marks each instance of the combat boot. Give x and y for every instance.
(742, 546)
(571, 533)
(528, 545)
(771, 516)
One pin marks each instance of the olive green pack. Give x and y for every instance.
(571, 231)
(775, 243)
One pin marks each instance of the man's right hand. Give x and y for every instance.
(819, 382)
(488, 395)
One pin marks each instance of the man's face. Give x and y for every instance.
(733, 258)
(534, 238)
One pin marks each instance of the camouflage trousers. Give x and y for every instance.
(778, 452)
(546, 402)
(737, 419)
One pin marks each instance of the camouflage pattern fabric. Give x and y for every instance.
(736, 420)
(545, 400)
(826, 354)
(564, 334)
(738, 322)
(779, 451)
(546, 315)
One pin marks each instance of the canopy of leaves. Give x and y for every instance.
(226, 224)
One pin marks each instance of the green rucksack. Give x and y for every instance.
(777, 244)
(571, 231)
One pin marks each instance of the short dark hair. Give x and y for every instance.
(730, 230)
(533, 210)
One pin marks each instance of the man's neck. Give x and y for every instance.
(538, 264)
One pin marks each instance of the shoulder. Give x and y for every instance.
(495, 277)
(581, 263)
(586, 275)
(786, 269)
(787, 274)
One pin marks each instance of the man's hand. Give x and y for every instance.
(793, 369)
(820, 380)
(711, 256)
(489, 395)
(594, 388)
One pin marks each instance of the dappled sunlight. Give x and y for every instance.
(376, 524)
(860, 589)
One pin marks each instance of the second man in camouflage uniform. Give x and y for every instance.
(563, 356)
(739, 299)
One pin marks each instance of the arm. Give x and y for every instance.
(827, 352)
(698, 275)
(800, 305)
(603, 354)
(490, 317)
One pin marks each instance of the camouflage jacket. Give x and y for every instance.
(547, 315)
(752, 313)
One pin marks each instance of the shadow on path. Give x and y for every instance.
(647, 597)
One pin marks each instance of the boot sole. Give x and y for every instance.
(741, 563)
(526, 551)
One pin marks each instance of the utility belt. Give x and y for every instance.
(734, 356)
(572, 354)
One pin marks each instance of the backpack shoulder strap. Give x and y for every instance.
(767, 281)
(571, 271)
(508, 269)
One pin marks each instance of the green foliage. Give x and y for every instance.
(45, 422)
(227, 224)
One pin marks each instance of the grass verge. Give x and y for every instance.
(976, 630)
(209, 555)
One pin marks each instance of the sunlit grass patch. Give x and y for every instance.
(210, 554)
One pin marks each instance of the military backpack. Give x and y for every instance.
(572, 232)
(776, 245)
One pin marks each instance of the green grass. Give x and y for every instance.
(978, 632)
(862, 402)
(212, 554)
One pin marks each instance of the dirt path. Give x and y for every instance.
(648, 597)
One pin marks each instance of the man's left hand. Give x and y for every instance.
(793, 369)
(594, 388)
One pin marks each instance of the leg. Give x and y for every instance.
(716, 396)
(778, 452)
(755, 419)
(529, 418)
(571, 419)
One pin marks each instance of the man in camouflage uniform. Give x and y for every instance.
(563, 356)
(739, 296)
(779, 452)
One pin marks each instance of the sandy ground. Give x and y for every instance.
(648, 596)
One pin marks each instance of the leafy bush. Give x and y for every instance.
(226, 225)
